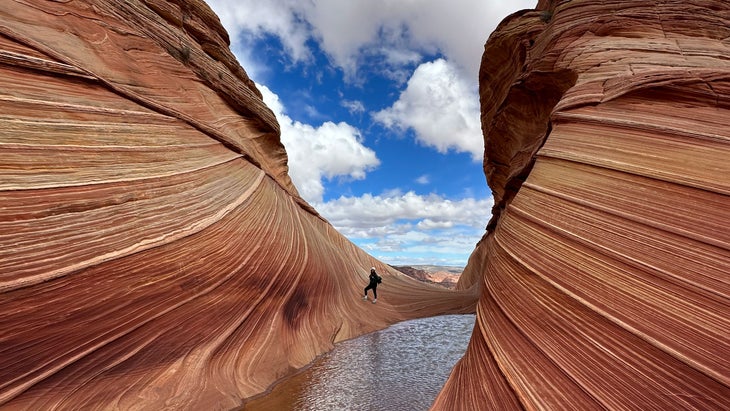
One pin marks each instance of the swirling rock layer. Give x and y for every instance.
(153, 251)
(606, 269)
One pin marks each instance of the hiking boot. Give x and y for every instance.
(365, 297)
(375, 300)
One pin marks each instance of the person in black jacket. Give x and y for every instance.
(374, 281)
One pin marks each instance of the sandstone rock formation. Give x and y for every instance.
(153, 252)
(606, 266)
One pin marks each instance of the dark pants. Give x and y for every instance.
(374, 287)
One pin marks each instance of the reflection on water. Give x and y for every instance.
(400, 368)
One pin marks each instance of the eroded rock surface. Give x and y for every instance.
(153, 252)
(606, 267)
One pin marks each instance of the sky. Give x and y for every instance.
(379, 112)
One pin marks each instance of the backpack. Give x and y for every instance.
(380, 279)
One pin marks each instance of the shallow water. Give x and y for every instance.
(401, 368)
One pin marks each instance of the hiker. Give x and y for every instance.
(375, 279)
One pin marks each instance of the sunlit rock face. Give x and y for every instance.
(606, 268)
(153, 252)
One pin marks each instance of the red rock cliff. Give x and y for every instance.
(153, 252)
(606, 268)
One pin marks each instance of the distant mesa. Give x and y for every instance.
(444, 276)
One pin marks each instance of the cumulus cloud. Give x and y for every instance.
(248, 20)
(440, 107)
(401, 31)
(458, 29)
(428, 224)
(396, 213)
(403, 228)
(328, 151)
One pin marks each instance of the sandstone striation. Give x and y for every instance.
(605, 269)
(154, 253)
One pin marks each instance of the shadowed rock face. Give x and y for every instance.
(153, 252)
(606, 267)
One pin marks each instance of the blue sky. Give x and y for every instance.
(379, 112)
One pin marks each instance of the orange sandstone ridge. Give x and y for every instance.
(605, 271)
(154, 253)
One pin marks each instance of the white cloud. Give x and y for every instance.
(428, 224)
(328, 151)
(409, 228)
(353, 106)
(247, 20)
(371, 216)
(458, 28)
(401, 31)
(423, 180)
(440, 107)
